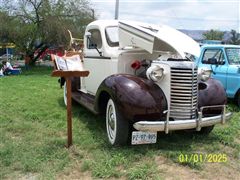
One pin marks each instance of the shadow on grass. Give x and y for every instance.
(60, 102)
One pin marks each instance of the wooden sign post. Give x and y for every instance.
(68, 75)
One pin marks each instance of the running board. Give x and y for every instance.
(86, 100)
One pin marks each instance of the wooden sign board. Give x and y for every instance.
(68, 67)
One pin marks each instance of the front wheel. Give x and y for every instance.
(117, 127)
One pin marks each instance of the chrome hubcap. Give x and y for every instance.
(111, 121)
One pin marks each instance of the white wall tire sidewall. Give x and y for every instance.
(111, 117)
(65, 93)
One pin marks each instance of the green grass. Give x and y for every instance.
(33, 137)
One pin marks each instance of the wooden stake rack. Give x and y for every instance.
(68, 75)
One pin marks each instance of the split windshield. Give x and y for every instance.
(112, 36)
(233, 55)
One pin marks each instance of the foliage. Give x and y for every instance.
(213, 35)
(31, 23)
(33, 135)
(235, 37)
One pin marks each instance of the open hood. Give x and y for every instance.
(156, 38)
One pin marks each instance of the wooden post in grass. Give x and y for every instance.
(68, 75)
(69, 112)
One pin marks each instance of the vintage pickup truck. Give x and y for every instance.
(224, 61)
(144, 80)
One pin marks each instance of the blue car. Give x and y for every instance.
(224, 61)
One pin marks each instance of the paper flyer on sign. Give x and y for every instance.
(60, 63)
(74, 63)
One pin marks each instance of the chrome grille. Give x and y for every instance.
(183, 97)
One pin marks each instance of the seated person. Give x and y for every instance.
(7, 67)
(1, 70)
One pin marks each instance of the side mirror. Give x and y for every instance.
(88, 34)
(222, 62)
(212, 61)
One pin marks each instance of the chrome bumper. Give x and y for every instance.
(184, 124)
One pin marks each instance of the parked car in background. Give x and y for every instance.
(224, 61)
(45, 54)
(6, 57)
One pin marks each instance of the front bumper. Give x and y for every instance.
(197, 123)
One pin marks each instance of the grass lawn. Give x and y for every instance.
(33, 135)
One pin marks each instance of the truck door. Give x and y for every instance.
(99, 66)
(233, 77)
(220, 69)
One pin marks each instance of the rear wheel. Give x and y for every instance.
(65, 93)
(117, 128)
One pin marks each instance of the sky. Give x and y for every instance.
(180, 14)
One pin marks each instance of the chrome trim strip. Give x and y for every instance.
(184, 97)
(183, 108)
(186, 101)
(181, 84)
(183, 74)
(179, 77)
(183, 94)
(179, 87)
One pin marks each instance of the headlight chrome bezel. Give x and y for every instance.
(204, 74)
(155, 73)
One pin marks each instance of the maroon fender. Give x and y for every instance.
(136, 98)
(211, 93)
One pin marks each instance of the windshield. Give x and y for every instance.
(233, 55)
(112, 36)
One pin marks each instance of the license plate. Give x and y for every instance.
(140, 137)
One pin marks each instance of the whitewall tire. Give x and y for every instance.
(117, 127)
(65, 93)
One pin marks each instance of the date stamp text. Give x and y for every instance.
(200, 158)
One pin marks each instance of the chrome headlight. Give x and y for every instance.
(155, 73)
(204, 74)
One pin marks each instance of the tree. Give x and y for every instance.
(213, 35)
(34, 23)
(235, 37)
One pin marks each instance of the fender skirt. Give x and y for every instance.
(211, 93)
(136, 98)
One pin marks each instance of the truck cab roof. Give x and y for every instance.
(150, 37)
